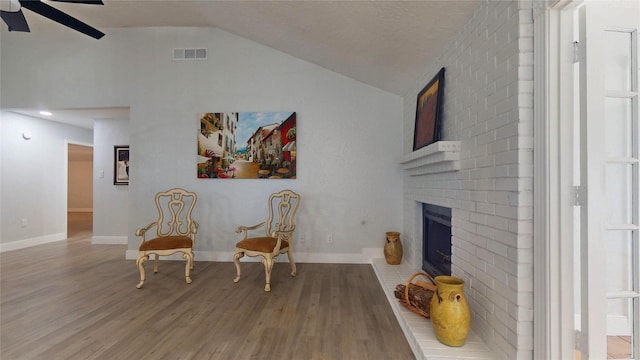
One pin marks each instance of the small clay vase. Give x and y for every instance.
(449, 311)
(393, 248)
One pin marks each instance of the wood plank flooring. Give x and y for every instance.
(75, 300)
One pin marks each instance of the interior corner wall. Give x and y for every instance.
(111, 202)
(349, 133)
(487, 107)
(34, 173)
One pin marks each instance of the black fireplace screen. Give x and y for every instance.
(436, 243)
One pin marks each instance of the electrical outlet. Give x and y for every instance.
(330, 239)
(24, 223)
(302, 239)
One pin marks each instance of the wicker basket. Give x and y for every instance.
(424, 285)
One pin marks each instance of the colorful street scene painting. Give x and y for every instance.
(247, 145)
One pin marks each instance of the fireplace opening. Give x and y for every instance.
(436, 242)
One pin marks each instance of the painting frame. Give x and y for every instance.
(428, 119)
(247, 145)
(121, 165)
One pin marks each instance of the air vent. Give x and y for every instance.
(190, 54)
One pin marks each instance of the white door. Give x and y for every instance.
(609, 175)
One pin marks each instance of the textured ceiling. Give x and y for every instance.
(387, 44)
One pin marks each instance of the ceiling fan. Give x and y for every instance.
(11, 13)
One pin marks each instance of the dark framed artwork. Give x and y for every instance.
(247, 145)
(428, 112)
(121, 165)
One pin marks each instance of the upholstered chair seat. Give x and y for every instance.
(175, 231)
(166, 243)
(279, 229)
(262, 244)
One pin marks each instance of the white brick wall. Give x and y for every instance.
(488, 108)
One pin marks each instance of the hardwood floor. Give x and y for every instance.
(75, 300)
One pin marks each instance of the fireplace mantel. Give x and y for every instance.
(441, 156)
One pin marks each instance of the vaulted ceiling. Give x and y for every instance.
(386, 44)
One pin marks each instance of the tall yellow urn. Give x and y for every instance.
(450, 314)
(393, 248)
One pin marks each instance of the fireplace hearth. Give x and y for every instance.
(436, 242)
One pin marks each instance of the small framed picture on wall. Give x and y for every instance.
(121, 165)
(429, 112)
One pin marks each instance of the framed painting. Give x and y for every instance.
(428, 112)
(121, 165)
(247, 145)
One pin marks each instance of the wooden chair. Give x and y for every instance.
(279, 235)
(175, 231)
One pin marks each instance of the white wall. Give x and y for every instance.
(488, 108)
(34, 174)
(111, 202)
(350, 134)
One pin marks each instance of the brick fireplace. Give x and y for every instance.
(483, 172)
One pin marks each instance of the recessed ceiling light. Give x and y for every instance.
(46, 113)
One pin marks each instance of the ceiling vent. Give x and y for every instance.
(190, 54)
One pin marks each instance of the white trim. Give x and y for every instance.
(21, 244)
(564, 181)
(553, 248)
(366, 257)
(617, 325)
(543, 321)
(441, 156)
(64, 205)
(109, 240)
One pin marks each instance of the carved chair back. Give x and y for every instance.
(282, 210)
(174, 212)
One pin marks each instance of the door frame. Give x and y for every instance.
(68, 142)
(555, 195)
(554, 335)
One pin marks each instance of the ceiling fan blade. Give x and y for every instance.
(60, 17)
(90, 2)
(15, 20)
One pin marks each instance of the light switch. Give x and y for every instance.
(101, 174)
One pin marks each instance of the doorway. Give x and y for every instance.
(79, 190)
(588, 168)
(607, 226)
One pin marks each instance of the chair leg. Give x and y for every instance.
(293, 264)
(236, 260)
(189, 265)
(140, 263)
(268, 262)
(155, 264)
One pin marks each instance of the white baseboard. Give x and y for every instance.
(109, 240)
(21, 244)
(617, 325)
(373, 253)
(80, 210)
(364, 257)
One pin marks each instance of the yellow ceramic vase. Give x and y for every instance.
(393, 248)
(449, 311)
